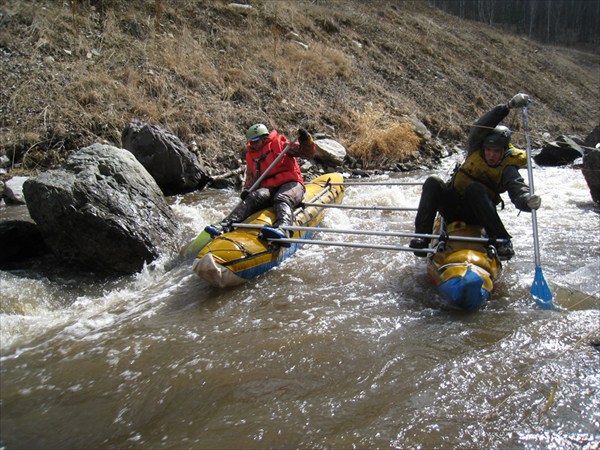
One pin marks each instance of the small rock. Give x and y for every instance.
(239, 5)
(13, 190)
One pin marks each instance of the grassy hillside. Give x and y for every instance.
(74, 73)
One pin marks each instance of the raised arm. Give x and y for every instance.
(486, 123)
(304, 146)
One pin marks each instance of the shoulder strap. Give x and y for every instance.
(257, 162)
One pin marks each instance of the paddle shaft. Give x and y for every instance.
(536, 243)
(268, 169)
(539, 288)
(374, 233)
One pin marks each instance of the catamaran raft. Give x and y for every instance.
(245, 253)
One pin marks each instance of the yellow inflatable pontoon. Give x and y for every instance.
(242, 254)
(464, 272)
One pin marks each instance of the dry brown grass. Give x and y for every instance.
(383, 142)
(385, 148)
(73, 74)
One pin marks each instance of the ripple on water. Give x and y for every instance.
(334, 348)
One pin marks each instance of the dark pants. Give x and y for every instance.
(476, 206)
(283, 198)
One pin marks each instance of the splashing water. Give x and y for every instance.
(337, 347)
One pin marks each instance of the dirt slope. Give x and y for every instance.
(74, 75)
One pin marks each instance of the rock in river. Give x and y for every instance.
(173, 166)
(101, 210)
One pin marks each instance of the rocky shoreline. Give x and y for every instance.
(105, 210)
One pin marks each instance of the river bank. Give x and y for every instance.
(77, 74)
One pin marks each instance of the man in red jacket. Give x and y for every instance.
(282, 187)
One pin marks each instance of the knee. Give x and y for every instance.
(283, 198)
(433, 182)
(291, 195)
(258, 197)
(433, 187)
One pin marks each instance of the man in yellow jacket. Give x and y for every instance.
(471, 195)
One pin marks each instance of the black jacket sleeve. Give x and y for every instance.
(518, 191)
(484, 125)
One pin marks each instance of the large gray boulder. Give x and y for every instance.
(101, 210)
(564, 150)
(591, 173)
(330, 151)
(175, 168)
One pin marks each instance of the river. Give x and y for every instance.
(336, 348)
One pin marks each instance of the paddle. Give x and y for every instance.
(539, 289)
(379, 183)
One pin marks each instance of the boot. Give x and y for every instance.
(217, 230)
(284, 215)
(505, 250)
(274, 235)
(419, 243)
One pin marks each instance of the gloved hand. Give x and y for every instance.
(518, 100)
(303, 135)
(534, 201)
(244, 194)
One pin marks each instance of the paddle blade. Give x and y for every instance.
(194, 247)
(540, 290)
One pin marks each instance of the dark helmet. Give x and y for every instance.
(498, 138)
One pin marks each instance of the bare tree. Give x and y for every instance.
(565, 22)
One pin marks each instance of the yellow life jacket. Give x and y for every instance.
(476, 170)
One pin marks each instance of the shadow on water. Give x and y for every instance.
(588, 206)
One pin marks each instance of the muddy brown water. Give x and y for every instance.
(336, 348)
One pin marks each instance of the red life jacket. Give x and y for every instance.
(287, 169)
